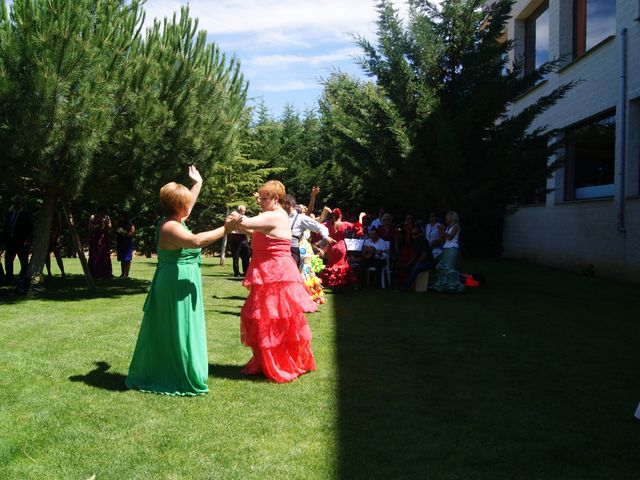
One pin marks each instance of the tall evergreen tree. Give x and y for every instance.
(433, 126)
(58, 61)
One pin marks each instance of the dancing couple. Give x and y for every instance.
(170, 356)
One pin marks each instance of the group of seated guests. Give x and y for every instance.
(319, 247)
(406, 250)
(415, 247)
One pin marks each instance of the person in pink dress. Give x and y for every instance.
(272, 320)
(338, 273)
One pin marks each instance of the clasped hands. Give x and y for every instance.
(232, 221)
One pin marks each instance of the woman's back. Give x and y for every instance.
(454, 241)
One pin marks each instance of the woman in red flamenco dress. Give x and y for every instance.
(338, 272)
(272, 320)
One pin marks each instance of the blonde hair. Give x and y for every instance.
(174, 198)
(274, 188)
(454, 217)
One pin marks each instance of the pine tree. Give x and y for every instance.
(58, 62)
(90, 107)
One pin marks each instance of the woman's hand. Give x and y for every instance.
(230, 224)
(315, 191)
(194, 174)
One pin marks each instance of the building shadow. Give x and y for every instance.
(100, 377)
(383, 382)
(533, 375)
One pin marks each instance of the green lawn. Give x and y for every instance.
(535, 375)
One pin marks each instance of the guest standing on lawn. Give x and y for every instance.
(18, 233)
(171, 353)
(100, 244)
(240, 249)
(272, 319)
(55, 245)
(124, 243)
(447, 278)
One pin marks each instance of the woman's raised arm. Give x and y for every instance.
(195, 176)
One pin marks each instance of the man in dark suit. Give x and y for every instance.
(240, 249)
(18, 232)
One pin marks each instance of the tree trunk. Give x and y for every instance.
(77, 245)
(41, 240)
(224, 245)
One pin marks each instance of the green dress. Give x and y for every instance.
(171, 352)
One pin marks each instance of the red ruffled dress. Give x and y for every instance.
(272, 319)
(338, 272)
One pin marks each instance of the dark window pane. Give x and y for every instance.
(542, 38)
(601, 21)
(537, 38)
(592, 158)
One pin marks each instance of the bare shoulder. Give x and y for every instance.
(273, 216)
(170, 226)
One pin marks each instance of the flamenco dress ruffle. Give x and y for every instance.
(338, 272)
(272, 320)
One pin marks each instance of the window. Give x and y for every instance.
(590, 158)
(593, 21)
(536, 38)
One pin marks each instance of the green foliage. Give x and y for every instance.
(58, 63)
(298, 148)
(432, 128)
(179, 101)
(91, 110)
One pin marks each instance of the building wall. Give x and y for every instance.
(581, 233)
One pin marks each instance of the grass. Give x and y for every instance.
(532, 376)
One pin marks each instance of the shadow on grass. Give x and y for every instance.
(233, 372)
(227, 313)
(100, 377)
(533, 375)
(74, 287)
(232, 297)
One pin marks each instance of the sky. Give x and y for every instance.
(285, 46)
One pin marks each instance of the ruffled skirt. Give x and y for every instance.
(447, 278)
(272, 320)
(338, 272)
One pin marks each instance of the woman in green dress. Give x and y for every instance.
(171, 352)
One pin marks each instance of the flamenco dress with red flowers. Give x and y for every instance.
(338, 272)
(272, 320)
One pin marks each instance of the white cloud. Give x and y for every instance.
(310, 60)
(288, 86)
(336, 19)
(284, 45)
